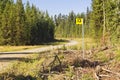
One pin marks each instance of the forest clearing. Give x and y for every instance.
(64, 40)
(67, 63)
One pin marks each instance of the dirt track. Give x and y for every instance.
(6, 58)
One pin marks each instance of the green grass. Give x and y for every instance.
(88, 43)
(87, 77)
(117, 55)
(18, 48)
(32, 66)
(101, 56)
(21, 69)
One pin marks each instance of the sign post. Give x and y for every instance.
(79, 21)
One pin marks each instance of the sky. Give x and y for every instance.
(61, 6)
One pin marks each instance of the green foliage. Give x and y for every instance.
(97, 17)
(105, 20)
(21, 25)
(66, 26)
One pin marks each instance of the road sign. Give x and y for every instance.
(79, 20)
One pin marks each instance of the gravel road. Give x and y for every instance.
(6, 58)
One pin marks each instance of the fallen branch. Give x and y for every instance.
(102, 75)
(104, 48)
(47, 74)
(97, 77)
(118, 74)
(53, 62)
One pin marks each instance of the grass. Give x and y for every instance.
(27, 68)
(18, 48)
(87, 77)
(31, 67)
(88, 43)
(101, 56)
(117, 55)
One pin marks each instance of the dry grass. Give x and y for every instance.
(84, 70)
(88, 43)
(16, 48)
(73, 66)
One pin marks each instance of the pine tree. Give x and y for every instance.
(2, 7)
(28, 23)
(6, 25)
(20, 26)
(20, 21)
(113, 18)
(33, 33)
(97, 18)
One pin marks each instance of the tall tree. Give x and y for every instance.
(6, 24)
(97, 17)
(28, 22)
(2, 7)
(20, 23)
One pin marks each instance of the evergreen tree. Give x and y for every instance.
(5, 27)
(2, 7)
(20, 23)
(28, 23)
(97, 18)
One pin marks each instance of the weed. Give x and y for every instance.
(101, 56)
(87, 77)
(117, 55)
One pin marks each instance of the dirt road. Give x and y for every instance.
(6, 58)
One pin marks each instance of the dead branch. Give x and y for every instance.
(104, 48)
(43, 67)
(53, 62)
(118, 74)
(97, 77)
(47, 74)
(102, 75)
(98, 69)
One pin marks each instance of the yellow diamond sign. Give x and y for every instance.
(79, 20)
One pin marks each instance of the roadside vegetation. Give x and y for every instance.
(27, 47)
(16, 48)
(99, 62)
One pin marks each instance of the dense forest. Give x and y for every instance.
(24, 24)
(102, 22)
